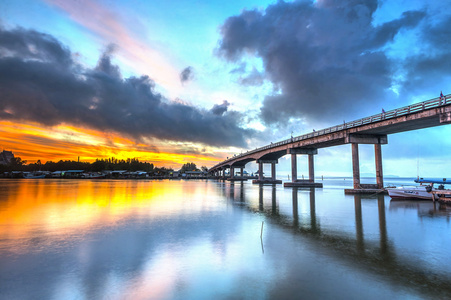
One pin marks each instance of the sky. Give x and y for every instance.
(171, 82)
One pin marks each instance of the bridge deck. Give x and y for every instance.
(371, 130)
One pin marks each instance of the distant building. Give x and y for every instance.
(6, 157)
(192, 174)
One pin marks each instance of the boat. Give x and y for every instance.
(421, 192)
(95, 175)
(34, 175)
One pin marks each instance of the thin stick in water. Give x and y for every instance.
(261, 232)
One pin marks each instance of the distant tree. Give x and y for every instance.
(204, 169)
(163, 171)
(130, 164)
(17, 163)
(189, 167)
(98, 165)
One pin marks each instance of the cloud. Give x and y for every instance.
(186, 75)
(322, 57)
(432, 61)
(138, 51)
(220, 109)
(254, 78)
(40, 82)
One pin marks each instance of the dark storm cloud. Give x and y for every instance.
(321, 57)
(187, 74)
(40, 82)
(436, 62)
(220, 109)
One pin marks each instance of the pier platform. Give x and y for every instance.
(266, 181)
(444, 196)
(303, 183)
(237, 179)
(365, 191)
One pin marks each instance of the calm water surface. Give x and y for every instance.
(81, 239)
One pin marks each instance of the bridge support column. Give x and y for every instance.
(294, 168)
(355, 166)
(295, 182)
(261, 179)
(273, 171)
(311, 168)
(260, 171)
(377, 141)
(242, 172)
(236, 178)
(378, 159)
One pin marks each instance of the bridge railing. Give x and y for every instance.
(414, 108)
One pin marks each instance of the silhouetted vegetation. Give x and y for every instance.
(189, 167)
(130, 164)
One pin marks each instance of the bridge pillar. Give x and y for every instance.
(294, 168)
(242, 171)
(273, 171)
(311, 168)
(355, 166)
(260, 171)
(378, 141)
(261, 179)
(378, 159)
(294, 180)
(232, 174)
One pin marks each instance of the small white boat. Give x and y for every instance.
(34, 175)
(96, 176)
(422, 192)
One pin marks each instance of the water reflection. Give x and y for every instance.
(198, 239)
(359, 224)
(379, 256)
(424, 208)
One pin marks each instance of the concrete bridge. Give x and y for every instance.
(370, 130)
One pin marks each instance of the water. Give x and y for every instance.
(105, 239)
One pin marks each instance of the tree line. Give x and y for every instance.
(114, 164)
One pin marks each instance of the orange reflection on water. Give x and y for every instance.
(68, 208)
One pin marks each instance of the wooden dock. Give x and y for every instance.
(443, 196)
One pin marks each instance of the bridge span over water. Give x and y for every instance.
(369, 130)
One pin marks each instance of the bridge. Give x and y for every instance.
(369, 130)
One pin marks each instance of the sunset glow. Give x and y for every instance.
(68, 143)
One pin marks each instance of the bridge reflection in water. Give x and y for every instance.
(381, 257)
